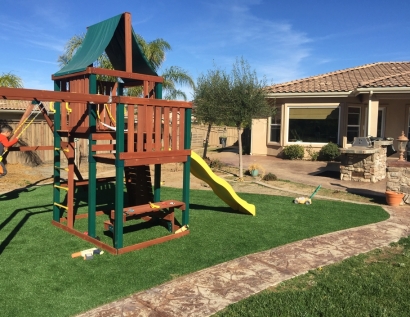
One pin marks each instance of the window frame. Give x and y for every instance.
(354, 125)
(275, 124)
(313, 106)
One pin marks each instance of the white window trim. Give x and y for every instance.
(383, 129)
(308, 105)
(269, 131)
(360, 119)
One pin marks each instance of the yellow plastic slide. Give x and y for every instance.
(221, 187)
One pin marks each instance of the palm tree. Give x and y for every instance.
(10, 80)
(154, 51)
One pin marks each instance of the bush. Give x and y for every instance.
(329, 152)
(215, 163)
(294, 152)
(314, 155)
(270, 177)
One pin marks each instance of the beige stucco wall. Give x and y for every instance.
(396, 112)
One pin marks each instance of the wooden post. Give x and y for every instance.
(157, 168)
(187, 167)
(92, 164)
(57, 156)
(128, 42)
(119, 174)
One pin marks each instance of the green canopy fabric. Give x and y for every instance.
(108, 36)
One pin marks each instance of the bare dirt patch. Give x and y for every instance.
(20, 176)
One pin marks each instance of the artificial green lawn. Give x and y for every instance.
(39, 277)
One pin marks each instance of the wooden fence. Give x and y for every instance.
(199, 134)
(38, 133)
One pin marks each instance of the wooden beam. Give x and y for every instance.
(140, 155)
(114, 73)
(149, 243)
(46, 95)
(32, 148)
(151, 102)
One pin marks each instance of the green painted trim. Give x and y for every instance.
(92, 164)
(157, 167)
(157, 182)
(158, 91)
(119, 173)
(187, 167)
(57, 157)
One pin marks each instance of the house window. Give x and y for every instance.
(353, 123)
(380, 122)
(313, 124)
(274, 135)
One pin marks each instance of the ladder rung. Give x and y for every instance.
(61, 168)
(61, 187)
(61, 206)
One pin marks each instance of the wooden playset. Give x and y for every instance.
(130, 133)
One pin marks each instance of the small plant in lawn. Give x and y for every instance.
(256, 170)
(270, 177)
(312, 153)
(294, 152)
(329, 152)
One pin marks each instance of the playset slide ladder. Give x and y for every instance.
(221, 187)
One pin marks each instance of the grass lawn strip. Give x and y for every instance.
(371, 284)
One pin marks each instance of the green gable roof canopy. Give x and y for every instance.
(108, 36)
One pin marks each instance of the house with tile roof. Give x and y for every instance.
(369, 100)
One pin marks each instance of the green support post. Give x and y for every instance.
(157, 167)
(187, 167)
(119, 173)
(57, 158)
(92, 164)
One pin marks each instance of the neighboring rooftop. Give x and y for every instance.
(21, 105)
(380, 75)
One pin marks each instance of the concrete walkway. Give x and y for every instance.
(206, 292)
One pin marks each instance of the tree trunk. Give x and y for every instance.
(207, 140)
(240, 152)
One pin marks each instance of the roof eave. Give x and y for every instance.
(387, 90)
(309, 94)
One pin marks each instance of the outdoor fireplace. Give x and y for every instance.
(365, 160)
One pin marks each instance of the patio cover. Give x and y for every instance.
(108, 36)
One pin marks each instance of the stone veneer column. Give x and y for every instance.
(398, 177)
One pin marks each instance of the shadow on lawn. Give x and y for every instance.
(219, 209)
(15, 193)
(373, 195)
(21, 223)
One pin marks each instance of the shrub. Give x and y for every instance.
(270, 177)
(215, 163)
(314, 155)
(294, 152)
(329, 152)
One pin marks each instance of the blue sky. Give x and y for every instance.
(281, 40)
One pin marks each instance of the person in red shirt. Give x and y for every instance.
(5, 133)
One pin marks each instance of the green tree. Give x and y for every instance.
(207, 100)
(154, 51)
(237, 97)
(10, 80)
(246, 100)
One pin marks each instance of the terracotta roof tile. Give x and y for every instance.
(383, 74)
(6, 104)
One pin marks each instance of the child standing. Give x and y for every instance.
(5, 133)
